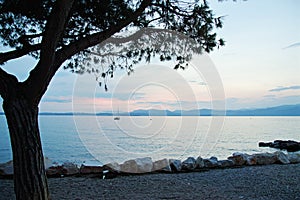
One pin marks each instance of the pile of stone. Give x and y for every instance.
(289, 145)
(146, 165)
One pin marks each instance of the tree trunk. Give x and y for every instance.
(29, 171)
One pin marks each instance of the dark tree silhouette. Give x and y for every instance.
(66, 31)
(142, 45)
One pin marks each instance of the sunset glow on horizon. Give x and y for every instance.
(258, 67)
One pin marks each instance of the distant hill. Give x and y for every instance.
(201, 112)
(284, 110)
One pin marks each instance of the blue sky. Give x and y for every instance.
(259, 67)
(262, 52)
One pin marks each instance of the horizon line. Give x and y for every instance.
(266, 111)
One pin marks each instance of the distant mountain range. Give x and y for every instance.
(284, 110)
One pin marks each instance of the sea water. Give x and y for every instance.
(102, 139)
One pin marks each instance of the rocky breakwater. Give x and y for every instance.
(146, 165)
(289, 145)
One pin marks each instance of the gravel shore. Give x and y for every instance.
(257, 182)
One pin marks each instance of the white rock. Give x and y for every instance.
(114, 166)
(139, 165)
(282, 158)
(162, 165)
(92, 163)
(144, 164)
(129, 166)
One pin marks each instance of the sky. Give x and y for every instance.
(258, 67)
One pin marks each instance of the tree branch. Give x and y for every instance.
(31, 36)
(8, 84)
(172, 9)
(41, 75)
(55, 29)
(4, 57)
(99, 37)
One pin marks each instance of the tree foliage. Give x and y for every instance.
(23, 23)
(144, 45)
(78, 34)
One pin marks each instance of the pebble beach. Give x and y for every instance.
(248, 182)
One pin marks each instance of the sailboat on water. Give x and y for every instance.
(118, 116)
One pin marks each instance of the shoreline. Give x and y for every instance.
(247, 182)
(147, 165)
(241, 176)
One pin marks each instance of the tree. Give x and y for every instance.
(61, 33)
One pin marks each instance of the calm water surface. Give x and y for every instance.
(102, 139)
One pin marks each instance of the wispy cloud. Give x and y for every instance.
(292, 46)
(150, 102)
(57, 100)
(278, 89)
(269, 96)
(124, 96)
(198, 82)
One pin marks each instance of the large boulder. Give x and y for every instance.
(70, 168)
(90, 169)
(175, 165)
(55, 170)
(189, 164)
(7, 169)
(113, 167)
(265, 144)
(239, 159)
(265, 158)
(162, 165)
(289, 145)
(66, 169)
(145, 165)
(139, 165)
(282, 158)
(211, 162)
(294, 157)
(129, 166)
(199, 163)
(225, 163)
(251, 160)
